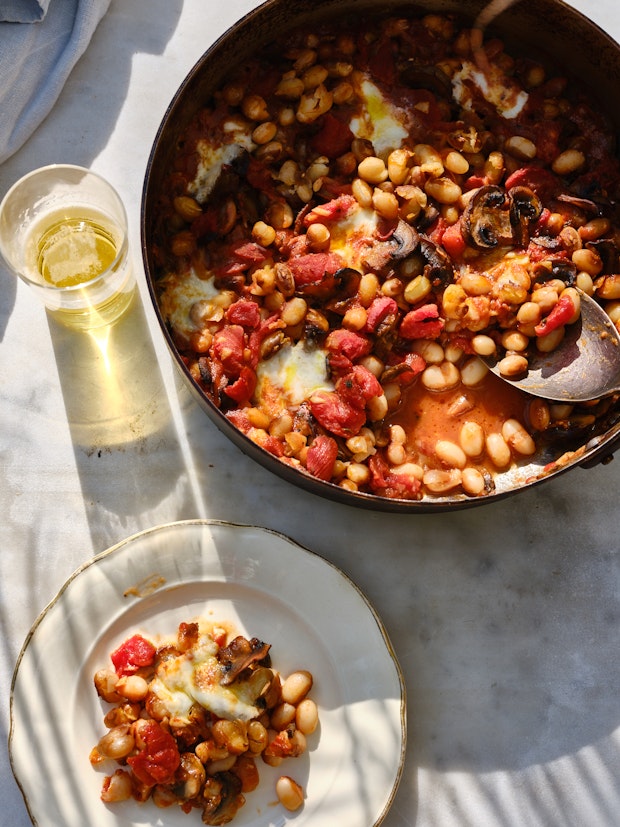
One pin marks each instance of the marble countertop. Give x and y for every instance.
(504, 618)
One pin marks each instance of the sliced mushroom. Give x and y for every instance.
(438, 269)
(525, 207)
(427, 217)
(221, 806)
(402, 242)
(238, 655)
(559, 268)
(585, 204)
(485, 221)
(393, 372)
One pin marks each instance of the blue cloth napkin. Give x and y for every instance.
(23, 11)
(36, 58)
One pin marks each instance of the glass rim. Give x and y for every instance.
(73, 288)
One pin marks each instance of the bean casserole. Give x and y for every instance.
(356, 217)
(192, 718)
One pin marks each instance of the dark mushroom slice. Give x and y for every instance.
(427, 217)
(559, 268)
(238, 655)
(438, 268)
(549, 242)
(486, 221)
(586, 205)
(402, 242)
(223, 798)
(525, 207)
(392, 372)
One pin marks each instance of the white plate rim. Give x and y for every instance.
(329, 569)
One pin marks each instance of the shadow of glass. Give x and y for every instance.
(116, 401)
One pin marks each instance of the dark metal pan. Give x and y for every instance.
(548, 26)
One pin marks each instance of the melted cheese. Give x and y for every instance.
(194, 678)
(293, 372)
(497, 89)
(182, 291)
(213, 158)
(380, 121)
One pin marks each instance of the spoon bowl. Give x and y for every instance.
(585, 366)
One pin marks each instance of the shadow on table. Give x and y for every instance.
(511, 614)
(123, 429)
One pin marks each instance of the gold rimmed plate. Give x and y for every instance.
(264, 585)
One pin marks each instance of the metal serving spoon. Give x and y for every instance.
(585, 366)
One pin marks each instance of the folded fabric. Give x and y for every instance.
(23, 11)
(36, 60)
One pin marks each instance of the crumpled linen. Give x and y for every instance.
(23, 11)
(36, 58)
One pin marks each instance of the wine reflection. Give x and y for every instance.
(127, 425)
(112, 387)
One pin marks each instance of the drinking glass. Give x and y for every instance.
(63, 231)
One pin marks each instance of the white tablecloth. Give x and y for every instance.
(504, 618)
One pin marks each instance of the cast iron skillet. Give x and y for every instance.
(538, 26)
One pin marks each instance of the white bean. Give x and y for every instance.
(549, 342)
(408, 469)
(518, 438)
(498, 450)
(441, 377)
(296, 686)
(117, 743)
(471, 438)
(513, 365)
(282, 716)
(307, 716)
(473, 372)
(116, 787)
(473, 482)
(450, 454)
(431, 352)
(289, 793)
(439, 481)
(132, 687)
(483, 345)
(377, 407)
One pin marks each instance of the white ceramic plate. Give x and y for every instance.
(268, 587)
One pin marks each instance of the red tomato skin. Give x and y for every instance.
(337, 415)
(334, 138)
(452, 240)
(134, 653)
(322, 455)
(561, 314)
(158, 761)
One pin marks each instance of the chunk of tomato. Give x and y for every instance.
(159, 759)
(131, 655)
(321, 457)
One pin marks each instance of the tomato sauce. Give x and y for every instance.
(428, 417)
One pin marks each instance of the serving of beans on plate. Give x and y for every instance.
(192, 718)
(355, 218)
